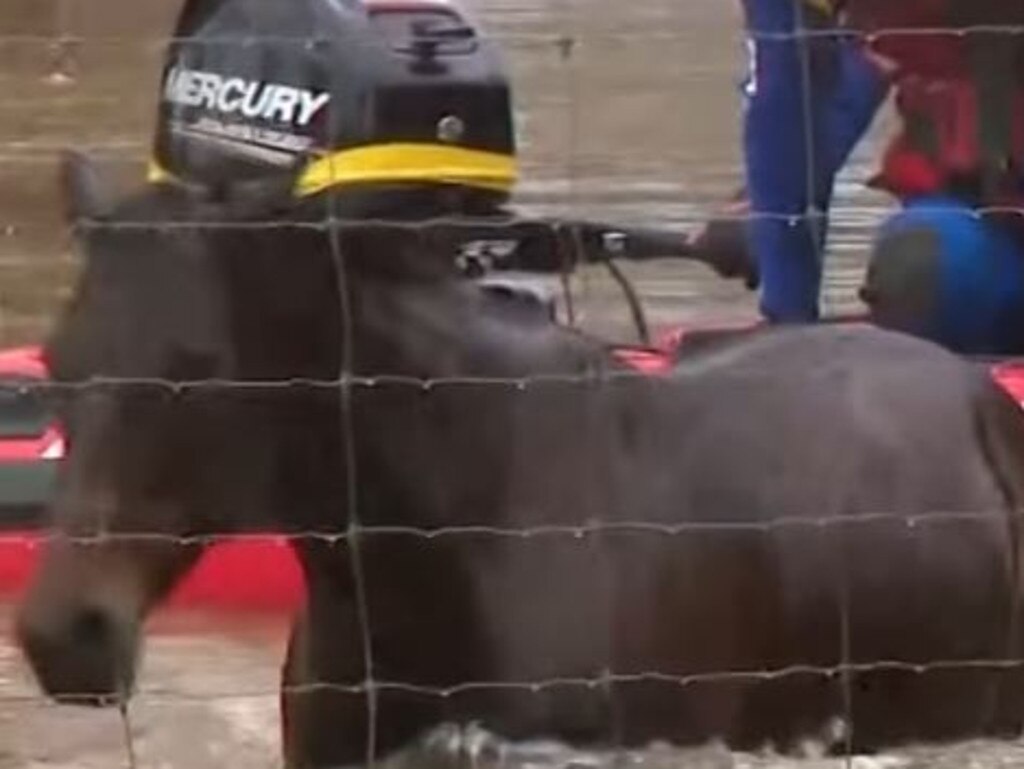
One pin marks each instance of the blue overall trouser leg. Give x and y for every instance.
(809, 100)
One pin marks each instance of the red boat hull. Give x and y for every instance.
(261, 574)
(256, 574)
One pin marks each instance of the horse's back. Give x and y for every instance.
(817, 422)
(875, 529)
(818, 497)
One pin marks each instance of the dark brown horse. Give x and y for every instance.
(497, 524)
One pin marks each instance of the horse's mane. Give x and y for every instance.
(280, 262)
(379, 233)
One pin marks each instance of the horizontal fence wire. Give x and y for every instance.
(545, 686)
(583, 530)
(557, 38)
(482, 223)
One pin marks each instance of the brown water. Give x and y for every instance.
(639, 124)
(208, 700)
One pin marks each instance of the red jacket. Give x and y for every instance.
(932, 54)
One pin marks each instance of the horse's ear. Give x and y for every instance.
(84, 194)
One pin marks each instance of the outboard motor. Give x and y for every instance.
(326, 95)
(401, 109)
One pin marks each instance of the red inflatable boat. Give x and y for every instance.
(250, 574)
(258, 573)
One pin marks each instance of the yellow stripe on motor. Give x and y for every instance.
(409, 163)
(393, 163)
(827, 7)
(157, 174)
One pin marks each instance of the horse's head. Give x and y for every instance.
(160, 456)
(179, 300)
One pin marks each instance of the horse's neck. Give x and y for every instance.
(455, 329)
(508, 433)
(382, 307)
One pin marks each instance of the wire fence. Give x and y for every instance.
(617, 133)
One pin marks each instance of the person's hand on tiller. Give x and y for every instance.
(721, 243)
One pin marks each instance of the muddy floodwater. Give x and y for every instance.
(208, 701)
(635, 121)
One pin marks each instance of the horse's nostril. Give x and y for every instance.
(91, 627)
(80, 659)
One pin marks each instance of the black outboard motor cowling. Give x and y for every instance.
(325, 94)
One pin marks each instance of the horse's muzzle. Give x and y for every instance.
(83, 657)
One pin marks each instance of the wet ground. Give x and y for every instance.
(208, 701)
(638, 123)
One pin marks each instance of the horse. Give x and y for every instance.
(498, 523)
